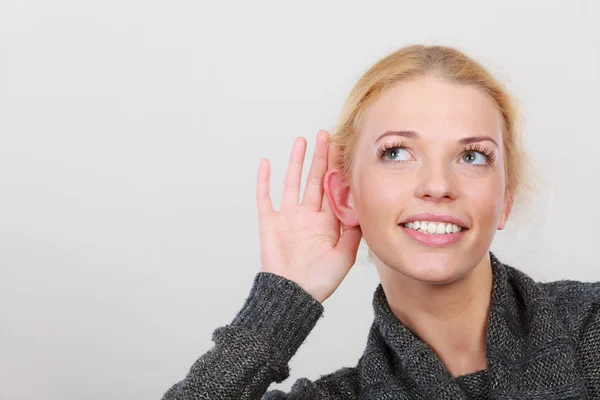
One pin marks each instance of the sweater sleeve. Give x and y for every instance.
(254, 350)
(342, 384)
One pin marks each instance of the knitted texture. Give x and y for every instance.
(543, 342)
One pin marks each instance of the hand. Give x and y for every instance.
(302, 242)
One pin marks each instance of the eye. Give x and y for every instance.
(474, 158)
(393, 153)
(396, 154)
(478, 155)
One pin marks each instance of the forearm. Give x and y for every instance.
(254, 350)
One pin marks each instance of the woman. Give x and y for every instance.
(426, 165)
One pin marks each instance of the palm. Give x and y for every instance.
(302, 242)
(304, 237)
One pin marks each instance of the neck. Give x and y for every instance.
(451, 318)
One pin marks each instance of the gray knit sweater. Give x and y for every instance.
(543, 342)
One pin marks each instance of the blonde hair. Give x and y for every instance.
(455, 66)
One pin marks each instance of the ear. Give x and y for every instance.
(339, 195)
(506, 209)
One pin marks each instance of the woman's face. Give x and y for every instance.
(429, 151)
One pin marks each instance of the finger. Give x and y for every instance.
(313, 193)
(263, 198)
(333, 155)
(293, 176)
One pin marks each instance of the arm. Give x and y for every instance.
(305, 254)
(254, 350)
(342, 384)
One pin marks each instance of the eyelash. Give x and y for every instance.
(490, 156)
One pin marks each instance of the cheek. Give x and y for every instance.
(379, 198)
(485, 200)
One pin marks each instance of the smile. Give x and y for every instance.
(433, 228)
(433, 234)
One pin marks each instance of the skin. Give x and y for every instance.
(440, 294)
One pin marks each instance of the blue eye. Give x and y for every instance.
(396, 154)
(393, 153)
(470, 157)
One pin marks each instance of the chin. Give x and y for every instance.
(432, 268)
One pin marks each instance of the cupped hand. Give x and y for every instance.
(303, 241)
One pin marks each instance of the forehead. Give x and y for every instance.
(435, 108)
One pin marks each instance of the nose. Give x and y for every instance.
(435, 182)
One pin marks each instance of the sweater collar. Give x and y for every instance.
(528, 349)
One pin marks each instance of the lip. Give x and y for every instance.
(435, 218)
(433, 240)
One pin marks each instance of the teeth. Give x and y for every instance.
(433, 228)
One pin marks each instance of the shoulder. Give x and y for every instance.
(568, 290)
(577, 302)
(572, 293)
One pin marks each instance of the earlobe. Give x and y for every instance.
(506, 209)
(338, 192)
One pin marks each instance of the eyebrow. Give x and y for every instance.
(415, 135)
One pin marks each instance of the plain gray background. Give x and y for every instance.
(130, 137)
